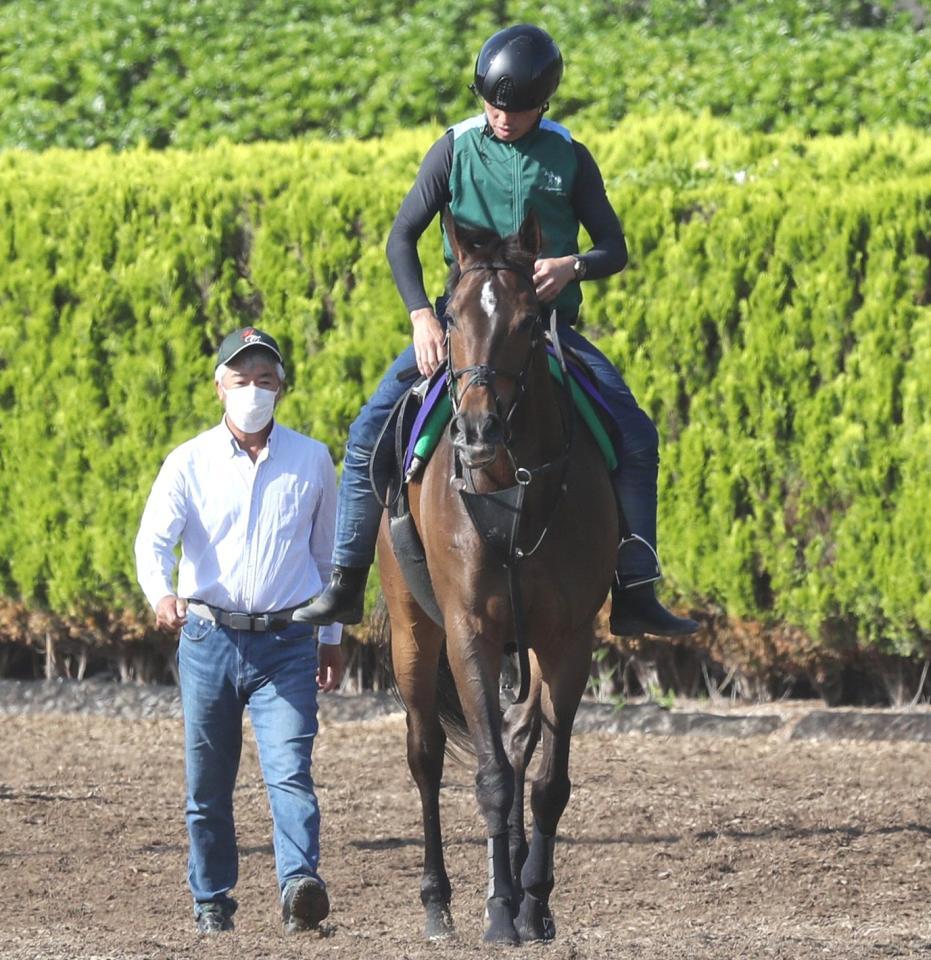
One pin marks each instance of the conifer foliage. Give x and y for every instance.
(774, 320)
(185, 72)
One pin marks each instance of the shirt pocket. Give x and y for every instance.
(286, 504)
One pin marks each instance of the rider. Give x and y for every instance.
(490, 170)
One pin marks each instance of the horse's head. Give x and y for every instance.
(493, 324)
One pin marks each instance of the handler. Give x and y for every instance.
(253, 504)
(491, 170)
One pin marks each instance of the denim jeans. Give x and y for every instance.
(635, 478)
(222, 671)
(358, 512)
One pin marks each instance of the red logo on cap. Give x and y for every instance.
(248, 333)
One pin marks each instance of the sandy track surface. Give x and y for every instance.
(678, 847)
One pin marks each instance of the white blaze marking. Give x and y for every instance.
(488, 301)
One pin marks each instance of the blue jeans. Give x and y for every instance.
(221, 672)
(358, 512)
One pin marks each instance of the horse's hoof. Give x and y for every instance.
(439, 922)
(535, 921)
(499, 924)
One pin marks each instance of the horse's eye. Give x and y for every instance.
(529, 320)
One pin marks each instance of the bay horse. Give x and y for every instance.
(512, 427)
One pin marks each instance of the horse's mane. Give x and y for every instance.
(485, 246)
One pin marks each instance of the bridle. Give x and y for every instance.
(484, 375)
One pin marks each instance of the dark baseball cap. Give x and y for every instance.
(234, 343)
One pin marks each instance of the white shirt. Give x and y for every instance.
(255, 537)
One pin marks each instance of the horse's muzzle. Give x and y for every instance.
(477, 437)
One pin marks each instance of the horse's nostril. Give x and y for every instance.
(491, 429)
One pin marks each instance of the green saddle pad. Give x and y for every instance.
(436, 422)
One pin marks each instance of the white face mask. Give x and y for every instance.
(250, 407)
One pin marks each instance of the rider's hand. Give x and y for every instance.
(429, 340)
(330, 666)
(171, 612)
(550, 275)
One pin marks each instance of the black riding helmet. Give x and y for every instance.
(518, 68)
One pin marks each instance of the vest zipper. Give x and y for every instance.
(517, 204)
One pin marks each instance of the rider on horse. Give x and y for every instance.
(489, 170)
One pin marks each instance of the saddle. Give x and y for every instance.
(411, 435)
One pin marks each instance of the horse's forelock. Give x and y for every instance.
(496, 250)
(512, 250)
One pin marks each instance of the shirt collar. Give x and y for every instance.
(229, 445)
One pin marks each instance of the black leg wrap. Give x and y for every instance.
(535, 920)
(499, 922)
(518, 851)
(537, 875)
(499, 868)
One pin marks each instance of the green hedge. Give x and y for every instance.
(774, 321)
(183, 73)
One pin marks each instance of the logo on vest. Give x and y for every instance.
(552, 182)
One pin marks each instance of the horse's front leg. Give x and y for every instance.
(521, 735)
(475, 658)
(565, 670)
(415, 674)
(416, 644)
(426, 743)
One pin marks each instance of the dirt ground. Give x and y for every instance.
(686, 847)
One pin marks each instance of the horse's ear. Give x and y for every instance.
(451, 228)
(530, 234)
(465, 242)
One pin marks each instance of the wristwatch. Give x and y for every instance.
(579, 268)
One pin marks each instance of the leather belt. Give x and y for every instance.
(257, 622)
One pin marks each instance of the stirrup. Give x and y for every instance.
(638, 581)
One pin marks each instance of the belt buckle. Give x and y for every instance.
(241, 621)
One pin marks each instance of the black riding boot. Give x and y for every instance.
(634, 607)
(635, 610)
(341, 601)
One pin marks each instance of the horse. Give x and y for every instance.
(512, 430)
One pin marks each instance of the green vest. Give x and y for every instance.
(494, 185)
